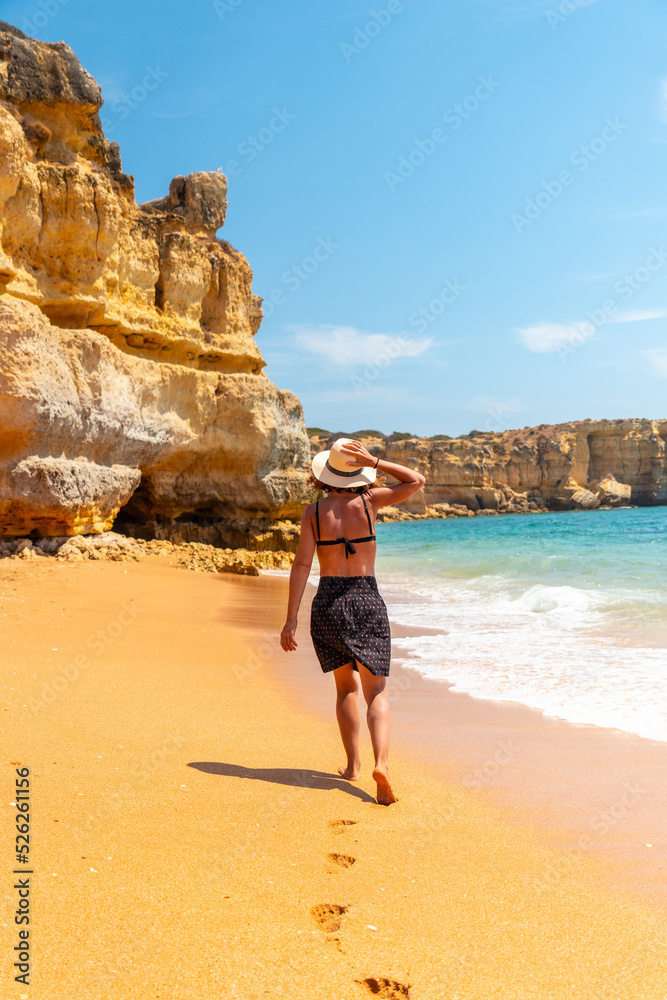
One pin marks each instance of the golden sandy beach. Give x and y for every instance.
(191, 837)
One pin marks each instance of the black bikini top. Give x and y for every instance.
(349, 547)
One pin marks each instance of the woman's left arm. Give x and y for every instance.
(298, 577)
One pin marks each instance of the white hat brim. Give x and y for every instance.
(319, 466)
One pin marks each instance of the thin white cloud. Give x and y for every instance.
(638, 315)
(345, 345)
(657, 359)
(542, 338)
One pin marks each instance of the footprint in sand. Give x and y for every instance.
(338, 825)
(344, 860)
(328, 916)
(386, 989)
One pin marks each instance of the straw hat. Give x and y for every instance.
(331, 467)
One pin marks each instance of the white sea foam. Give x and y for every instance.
(565, 613)
(548, 647)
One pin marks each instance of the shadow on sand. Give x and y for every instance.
(298, 777)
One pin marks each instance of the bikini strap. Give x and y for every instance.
(370, 526)
(317, 518)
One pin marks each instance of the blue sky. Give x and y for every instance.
(460, 208)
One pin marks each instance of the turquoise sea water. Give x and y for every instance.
(565, 612)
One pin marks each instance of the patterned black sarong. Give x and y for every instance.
(348, 621)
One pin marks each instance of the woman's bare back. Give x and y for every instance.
(343, 515)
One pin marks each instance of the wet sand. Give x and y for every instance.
(600, 791)
(191, 836)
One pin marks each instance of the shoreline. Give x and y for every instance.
(397, 515)
(598, 790)
(566, 617)
(401, 630)
(190, 826)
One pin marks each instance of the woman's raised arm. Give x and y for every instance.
(409, 481)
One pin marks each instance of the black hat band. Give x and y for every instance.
(347, 475)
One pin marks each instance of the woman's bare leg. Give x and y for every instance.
(377, 717)
(347, 714)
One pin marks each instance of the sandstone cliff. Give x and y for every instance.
(129, 376)
(583, 464)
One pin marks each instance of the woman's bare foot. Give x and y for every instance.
(351, 772)
(385, 794)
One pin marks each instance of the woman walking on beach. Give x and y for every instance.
(348, 623)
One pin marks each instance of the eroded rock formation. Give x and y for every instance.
(583, 464)
(118, 548)
(129, 376)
